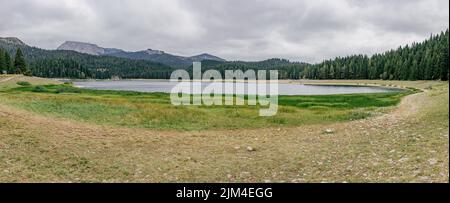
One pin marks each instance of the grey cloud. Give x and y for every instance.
(305, 30)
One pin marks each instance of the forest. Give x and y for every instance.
(286, 69)
(427, 60)
(70, 64)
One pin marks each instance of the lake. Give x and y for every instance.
(283, 88)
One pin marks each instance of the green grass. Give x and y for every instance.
(23, 83)
(154, 110)
(409, 144)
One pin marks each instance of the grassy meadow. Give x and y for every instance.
(154, 110)
(57, 133)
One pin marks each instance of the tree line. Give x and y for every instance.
(286, 69)
(16, 65)
(70, 64)
(428, 60)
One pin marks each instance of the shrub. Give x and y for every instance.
(27, 73)
(68, 90)
(23, 83)
(39, 89)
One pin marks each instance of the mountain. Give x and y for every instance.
(156, 56)
(12, 41)
(104, 63)
(426, 60)
(87, 48)
(72, 64)
(149, 54)
(205, 56)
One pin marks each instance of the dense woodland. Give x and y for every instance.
(16, 65)
(70, 64)
(286, 69)
(427, 60)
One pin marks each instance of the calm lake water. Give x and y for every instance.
(283, 89)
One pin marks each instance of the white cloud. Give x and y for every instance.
(306, 30)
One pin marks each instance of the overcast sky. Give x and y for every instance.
(299, 30)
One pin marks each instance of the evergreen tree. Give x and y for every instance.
(8, 63)
(428, 60)
(444, 60)
(3, 66)
(19, 63)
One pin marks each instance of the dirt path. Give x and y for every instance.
(7, 79)
(394, 147)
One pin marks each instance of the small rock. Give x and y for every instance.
(424, 178)
(229, 176)
(237, 147)
(404, 159)
(432, 161)
(329, 131)
(250, 149)
(297, 180)
(245, 174)
(267, 181)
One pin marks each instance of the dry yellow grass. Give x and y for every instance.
(10, 81)
(409, 144)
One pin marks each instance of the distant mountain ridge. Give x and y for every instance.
(149, 54)
(426, 60)
(87, 48)
(72, 64)
(12, 40)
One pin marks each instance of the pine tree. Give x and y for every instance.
(444, 63)
(428, 60)
(8, 63)
(3, 66)
(19, 63)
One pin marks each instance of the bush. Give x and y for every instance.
(68, 90)
(23, 83)
(27, 73)
(39, 89)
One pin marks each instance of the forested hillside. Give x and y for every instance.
(428, 60)
(286, 69)
(156, 56)
(70, 64)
